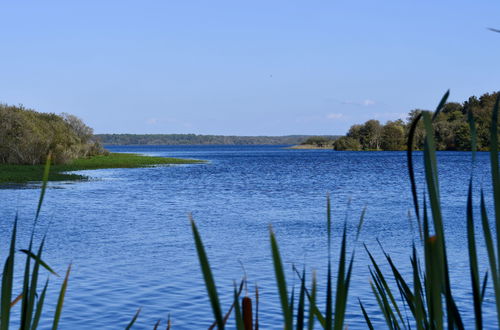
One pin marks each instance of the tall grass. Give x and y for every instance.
(32, 299)
(430, 301)
(305, 312)
(425, 300)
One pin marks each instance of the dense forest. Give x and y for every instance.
(451, 128)
(27, 137)
(192, 139)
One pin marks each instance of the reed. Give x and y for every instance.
(31, 298)
(423, 301)
(431, 303)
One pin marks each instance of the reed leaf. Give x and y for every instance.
(39, 307)
(491, 254)
(40, 261)
(60, 300)
(207, 275)
(365, 315)
(312, 302)
(237, 311)
(281, 281)
(7, 279)
(474, 272)
(301, 307)
(131, 323)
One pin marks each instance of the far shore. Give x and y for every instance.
(310, 146)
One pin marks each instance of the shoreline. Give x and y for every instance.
(22, 174)
(309, 147)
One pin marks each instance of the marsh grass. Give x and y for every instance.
(31, 173)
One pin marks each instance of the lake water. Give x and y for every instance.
(127, 233)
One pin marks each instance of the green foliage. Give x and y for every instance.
(347, 143)
(197, 139)
(450, 128)
(431, 303)
(27, 137)
(319, 141)
(27, 173)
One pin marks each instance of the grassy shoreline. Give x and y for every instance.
(29, 173)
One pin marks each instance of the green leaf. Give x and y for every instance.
(207, 275)
(7, 278)
(129, 326)
(281, 282)
(367, 318)
(474, 272)
(60, 301)
(45, 179)
(237, 311)
(38, 259)
(39, 307)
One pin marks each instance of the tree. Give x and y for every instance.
(393, 135)
(347, 143)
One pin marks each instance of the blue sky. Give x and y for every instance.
(244, 68)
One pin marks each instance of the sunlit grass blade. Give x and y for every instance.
(312, 303)
(237, 311)
(281, 282)
(207, 275)
(474, 272)
(37, 259)
(365, 315)
(39, 307)
(7, 279)
(131, 323)
(301, 306)
(60, 300)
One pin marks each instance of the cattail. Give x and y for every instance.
(247, 313)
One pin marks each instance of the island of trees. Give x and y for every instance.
(451, 129)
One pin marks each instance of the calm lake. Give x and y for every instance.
(127, 233)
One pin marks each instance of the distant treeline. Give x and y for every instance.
(189, 139)
(27, 137)
(451, 129)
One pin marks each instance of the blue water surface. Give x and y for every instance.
(127, 235)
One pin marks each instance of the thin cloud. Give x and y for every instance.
(365, 102)
(335, 115)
